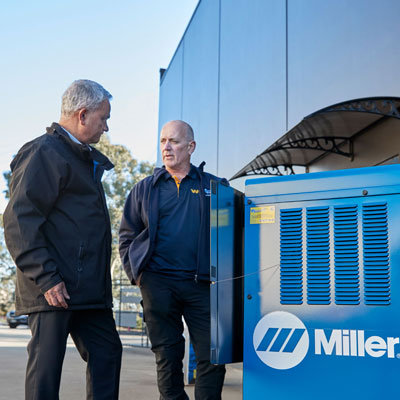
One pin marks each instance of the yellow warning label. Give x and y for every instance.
(262, 215)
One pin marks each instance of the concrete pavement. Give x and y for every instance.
(138, 376)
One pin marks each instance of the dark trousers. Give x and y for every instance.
(165, 301)
(95, 337)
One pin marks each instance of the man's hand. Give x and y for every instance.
(56, 295)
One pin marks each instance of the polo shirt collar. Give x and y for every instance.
(192, 173)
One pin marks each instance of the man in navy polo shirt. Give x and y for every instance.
(164, 247)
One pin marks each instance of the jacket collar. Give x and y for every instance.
(85, 152)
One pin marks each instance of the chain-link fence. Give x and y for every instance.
(128, 313)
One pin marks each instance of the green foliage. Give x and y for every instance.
(7, 177)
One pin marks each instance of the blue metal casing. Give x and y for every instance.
(321, 300)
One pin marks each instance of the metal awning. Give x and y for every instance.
(329, 130)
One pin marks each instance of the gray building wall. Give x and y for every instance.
(246, 71)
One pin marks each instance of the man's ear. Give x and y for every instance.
(82, 113)
(192, 146)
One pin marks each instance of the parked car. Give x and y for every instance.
(14, 320)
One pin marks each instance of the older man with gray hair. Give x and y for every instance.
(57, 229)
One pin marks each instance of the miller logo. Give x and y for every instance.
(281, 340)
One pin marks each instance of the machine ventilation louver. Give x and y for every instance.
(291, 256)
(347, 275)
(318, 258)
(376, 254)
(318, 245)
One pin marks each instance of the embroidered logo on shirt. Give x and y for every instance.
(207, 192)
(196, 191)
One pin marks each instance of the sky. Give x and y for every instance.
(45, 45)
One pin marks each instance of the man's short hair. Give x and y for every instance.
(83, 93)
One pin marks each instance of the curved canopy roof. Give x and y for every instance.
(329, 130)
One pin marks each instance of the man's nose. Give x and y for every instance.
(167, 145)
(106, 127)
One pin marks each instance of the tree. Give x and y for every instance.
(7, 177)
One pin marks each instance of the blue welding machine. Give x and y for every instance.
(310, 302)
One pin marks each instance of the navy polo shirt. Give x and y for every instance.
(178, 227)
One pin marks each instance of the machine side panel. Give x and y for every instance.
(226, 272)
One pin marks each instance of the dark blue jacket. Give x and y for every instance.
(137, 235)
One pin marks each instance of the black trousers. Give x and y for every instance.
(95, 337)
(165, 302)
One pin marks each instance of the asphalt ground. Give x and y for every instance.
(138, 376)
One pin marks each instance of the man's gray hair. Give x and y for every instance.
(83, 94)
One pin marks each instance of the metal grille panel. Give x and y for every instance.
(376, 254)
(318, 259)
(291, 256)
(347, 274)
